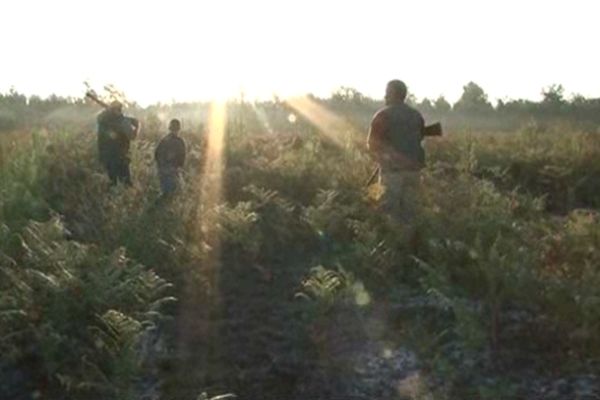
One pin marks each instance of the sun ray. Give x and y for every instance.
(212, 189)
(262, 117)
(330, 125)
(196, 320)
(214, 164)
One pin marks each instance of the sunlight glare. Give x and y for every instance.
(328, 123)
(262, 117)
(212, 179)
(197, 321)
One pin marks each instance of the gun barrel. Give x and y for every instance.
(433, 130)
(373, 177)
(95, 98)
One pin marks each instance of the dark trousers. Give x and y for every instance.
(118, 171)
(169, 180)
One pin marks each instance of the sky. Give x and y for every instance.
(197, 50)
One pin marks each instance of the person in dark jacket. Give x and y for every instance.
(394, 140)
(170, 158)
(115, 132)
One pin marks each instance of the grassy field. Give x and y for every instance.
(269, 279)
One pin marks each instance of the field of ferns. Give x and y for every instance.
(289, 282)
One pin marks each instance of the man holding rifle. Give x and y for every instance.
(394, 140)
(115, 131)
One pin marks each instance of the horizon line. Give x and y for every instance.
(569, 96)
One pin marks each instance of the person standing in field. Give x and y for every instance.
(394, 140)
(115, 132)
(170, 158)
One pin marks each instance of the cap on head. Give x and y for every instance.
(174, 125)
(396, 91)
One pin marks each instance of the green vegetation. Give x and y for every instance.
(272, 290)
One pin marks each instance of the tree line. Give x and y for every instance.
(472, 111)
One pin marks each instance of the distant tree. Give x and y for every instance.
(553, 102)
(473, 99)
(425, 106)
(503, 105)
(8, 120)
(346, 94)
(13, 98)
(578, 100)
(584, 109)
(553, 95)
(442, 106)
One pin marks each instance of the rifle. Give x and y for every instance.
(429, 130)
(373, 176)
(92, 95)
(433, 130)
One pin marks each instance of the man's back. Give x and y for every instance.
(170, 157)
(396, 134)
(115, 131)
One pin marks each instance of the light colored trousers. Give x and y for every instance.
(401, 187)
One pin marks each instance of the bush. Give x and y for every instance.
(72, 316)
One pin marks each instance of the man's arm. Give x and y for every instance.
(136, 124)
(159, 153)
(377, 134)
(124, 127)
